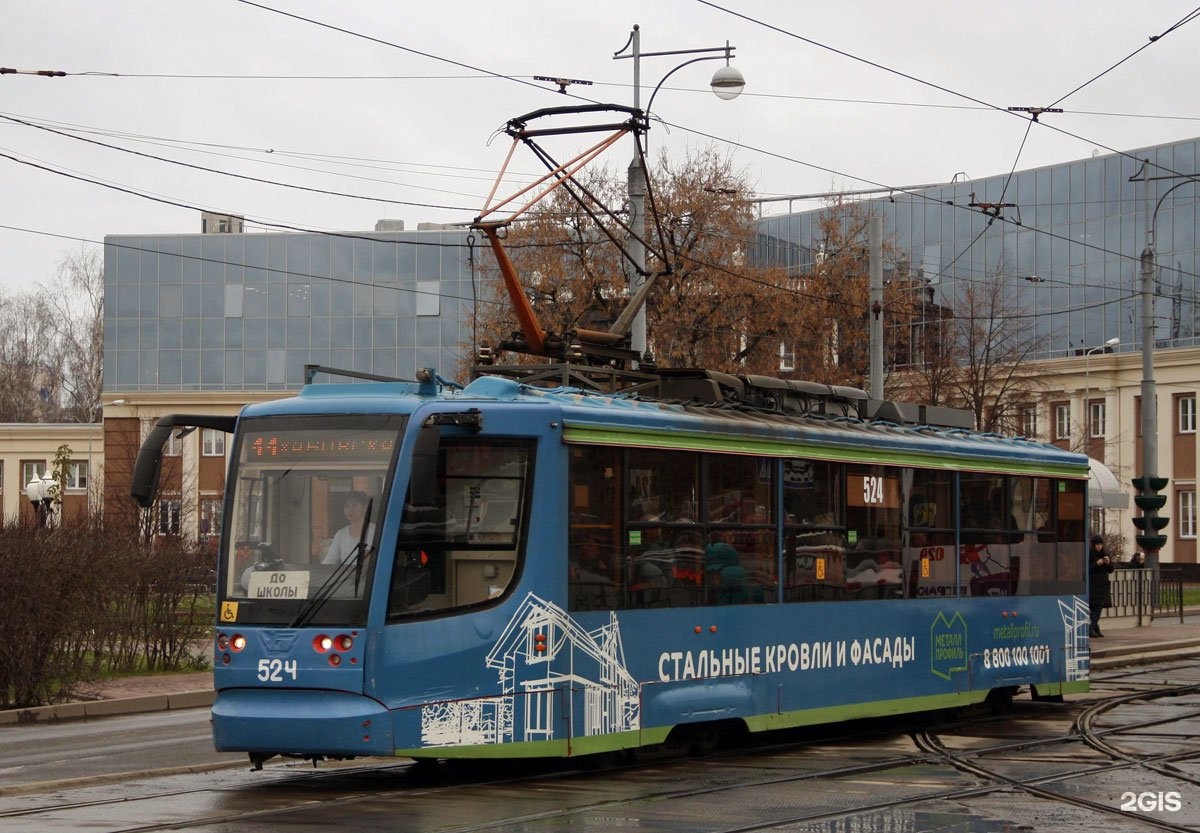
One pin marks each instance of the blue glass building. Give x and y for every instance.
(246, 312)
(1067, 238)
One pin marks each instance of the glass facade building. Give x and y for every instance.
(221, 312)
(1067, 238)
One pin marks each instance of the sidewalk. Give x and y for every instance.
(1123, 643)
(126, 695)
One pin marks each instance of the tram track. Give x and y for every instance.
(399, 780)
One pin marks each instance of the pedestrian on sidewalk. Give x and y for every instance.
(1099, 591)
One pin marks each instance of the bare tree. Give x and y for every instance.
(924, 355)
(714, 310)
(995, 377)
(76, 300)
(30, 371)
(52, 345)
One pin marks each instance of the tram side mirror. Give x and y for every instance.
(148, 466)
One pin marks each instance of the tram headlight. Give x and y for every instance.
(222, 642)
(322, 643)
(335, 660)
(237, 642)
(345, 643)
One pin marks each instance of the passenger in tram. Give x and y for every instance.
(591, 575)
(728, 581)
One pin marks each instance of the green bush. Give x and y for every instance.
(82, 602)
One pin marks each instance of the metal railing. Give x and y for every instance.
(1139, 593)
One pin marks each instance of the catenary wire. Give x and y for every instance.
(350, 235)
(931, 84)
(520, 80)
(313, 156)
(1189, 17)
(709, 136)
(245, 177)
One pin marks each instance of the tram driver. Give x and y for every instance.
(345, 540)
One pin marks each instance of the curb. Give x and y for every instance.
(109, 708)
(1119, 655)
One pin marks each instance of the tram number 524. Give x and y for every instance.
(272, 670)
(873, 491)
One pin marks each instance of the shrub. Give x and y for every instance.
(84, 602)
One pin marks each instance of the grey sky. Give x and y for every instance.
(426, 132)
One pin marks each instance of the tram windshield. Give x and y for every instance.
(308, 501)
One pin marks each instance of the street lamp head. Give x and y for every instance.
(727, 83)
(1113, 342)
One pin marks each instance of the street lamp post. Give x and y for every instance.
(1087, 388)
(727, 83)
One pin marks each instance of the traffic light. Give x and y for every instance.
(1150, 500)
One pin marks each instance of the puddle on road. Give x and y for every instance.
(903, 820)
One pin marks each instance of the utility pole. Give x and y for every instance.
(727, 83)
(1148, 499)
(637, 207)
(875, 300)
(637, 248)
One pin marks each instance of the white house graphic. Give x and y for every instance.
(543, 656)
(1076, 621)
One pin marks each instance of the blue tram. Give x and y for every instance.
(423, 570)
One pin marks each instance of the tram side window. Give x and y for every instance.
(1039, 570)
(594, 578)
(815, 534)
(463, 550)
(988, 533)
(930, 565)
(1070, 533)
(873, 564)
(664, 557)
(741, 555)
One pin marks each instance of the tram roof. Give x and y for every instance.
(627, 420)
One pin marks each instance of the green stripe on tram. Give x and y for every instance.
(755, 723)
(685, 441)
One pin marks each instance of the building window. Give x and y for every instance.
(212, 443)
(1062, 422)
(1187, 414)
(168, 516)
(31, 469)
(1029, 426)
(1096, 412)
(77, 475)
(1187, 514)
(210, 517)
(174, 446)
(787, 358)
(429, 297)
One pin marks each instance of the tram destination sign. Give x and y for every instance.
(317, 446)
